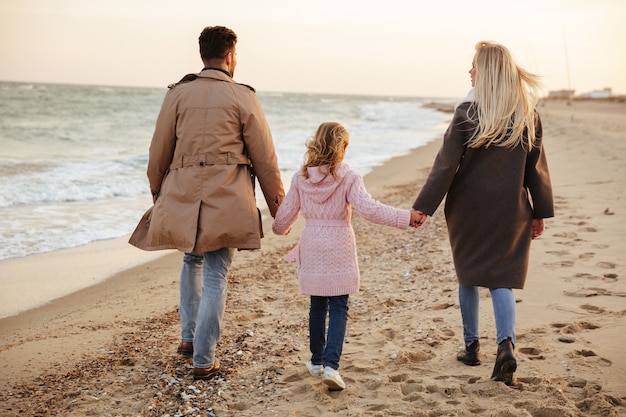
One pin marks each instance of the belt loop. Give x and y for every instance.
(227, 158)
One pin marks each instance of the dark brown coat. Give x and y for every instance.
(208, 132)
(493, 194)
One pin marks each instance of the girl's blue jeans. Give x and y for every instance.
(326, 347)
(203, 289)
(503, 311)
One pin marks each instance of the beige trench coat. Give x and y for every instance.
(209, 133)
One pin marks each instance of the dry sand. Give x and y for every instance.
(110, 350)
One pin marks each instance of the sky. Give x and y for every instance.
(382, 47)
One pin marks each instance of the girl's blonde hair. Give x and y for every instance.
(327, 147)
(505, 97)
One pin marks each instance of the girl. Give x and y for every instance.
(324, 190)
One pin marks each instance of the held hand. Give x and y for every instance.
(417, 218)
(538, 228)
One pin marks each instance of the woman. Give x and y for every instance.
(494, 171)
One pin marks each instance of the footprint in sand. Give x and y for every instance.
(442, 306)
(559, 264)
(583, 353)
(567, 235)
(296, 376)
(593, 309)
(569, 328)
(573, 238)
(399, 377)
(408, 388)
(580, 223)
(445, 334)
(530, 380)
(390, 334)
(586, 256)
(606, 265)
(532, 353)
(405, 357)
(587, 292)
(242, 317)
(546, 411)
(586, 275)
(558, 252)
(593, 292)
(373, 385)
(610, 277)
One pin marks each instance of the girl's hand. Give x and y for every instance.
(417, 218)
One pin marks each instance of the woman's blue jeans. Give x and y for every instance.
(203, 289)
(503, 311)
(326, 350)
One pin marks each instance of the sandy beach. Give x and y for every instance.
(110, 349)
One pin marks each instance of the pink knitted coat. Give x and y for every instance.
(326, 253)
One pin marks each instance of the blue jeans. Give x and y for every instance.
(503, 311)
(203, 289)
(327, 350)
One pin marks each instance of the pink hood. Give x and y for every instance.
(320, 189)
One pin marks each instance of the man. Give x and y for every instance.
(210, 141)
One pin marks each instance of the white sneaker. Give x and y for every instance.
(333, 379)
(315, 370)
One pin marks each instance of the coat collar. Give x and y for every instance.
(216, 73)
(467, 99)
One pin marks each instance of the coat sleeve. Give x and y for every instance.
(372, 210)
(163, 143)
(537, 178)
(446, 163)
(289, 211)
(260, 148)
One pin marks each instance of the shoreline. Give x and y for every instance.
(53, 266)
(404, 328)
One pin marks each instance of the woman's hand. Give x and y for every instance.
(538, 228)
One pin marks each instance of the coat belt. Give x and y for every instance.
(203, 159)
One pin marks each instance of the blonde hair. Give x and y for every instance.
(505, 97)
(326, 147)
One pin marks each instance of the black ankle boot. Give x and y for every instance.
(469, 356)
(505, 363)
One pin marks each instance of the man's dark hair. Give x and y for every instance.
(216, 42)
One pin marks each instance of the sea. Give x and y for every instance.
(73, 157)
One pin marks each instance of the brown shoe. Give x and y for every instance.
(185, 349)
(469, 356)
(206, 373)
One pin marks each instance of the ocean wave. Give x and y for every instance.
(73, 166)
(46, 182)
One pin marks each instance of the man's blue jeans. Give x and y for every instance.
(327, 350)
(503, 311)
(203, 289)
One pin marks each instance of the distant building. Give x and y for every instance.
(604, 93)
(561, 94)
